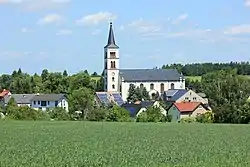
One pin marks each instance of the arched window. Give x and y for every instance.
(141, 86)
(113, 86)
(172, 85)
(162, 87)
(113, 79)
(151, 86)
(114, 64)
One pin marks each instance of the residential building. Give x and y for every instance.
(47, 101)
(186, 109)
(156, 81)
(137, 108)
(183, 95)
(107, 98)
(36, 101)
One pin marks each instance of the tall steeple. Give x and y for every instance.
(111, 38)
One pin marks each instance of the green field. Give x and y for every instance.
(62, 144)
(194, 78)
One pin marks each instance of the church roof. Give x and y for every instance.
(111, 39)
(147, 75)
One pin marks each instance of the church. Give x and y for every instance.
(118, 81)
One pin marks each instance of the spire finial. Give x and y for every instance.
(111, 37)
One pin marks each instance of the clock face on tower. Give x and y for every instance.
(113, 74)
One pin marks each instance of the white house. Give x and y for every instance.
(46, 101)
(39, 101)
(156, 81)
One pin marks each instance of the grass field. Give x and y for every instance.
(194, 78)
(62, 144)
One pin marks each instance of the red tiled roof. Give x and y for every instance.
(4, 93)
(187, 106)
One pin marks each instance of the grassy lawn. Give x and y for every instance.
(90, 144)
(95, 78)
(194, 78)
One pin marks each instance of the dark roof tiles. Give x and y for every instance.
(147, 75)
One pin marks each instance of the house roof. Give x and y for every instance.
(47, 97)
(111, 39)
(187, 106)
(174, 94)
(4, 93)
(19, 98)
(135, 108)
(142, 75)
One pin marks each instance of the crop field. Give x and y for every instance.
(61, 144)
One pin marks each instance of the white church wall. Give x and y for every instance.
(157, 86)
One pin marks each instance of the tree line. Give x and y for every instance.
(199, 69)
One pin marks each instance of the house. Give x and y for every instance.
(156, 81)
(186, 109)
(36, 101)
(20, 99)
(46, 101)
(2, 95)
(181, 95)
(137, 108)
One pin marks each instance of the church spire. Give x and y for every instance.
(111, 38)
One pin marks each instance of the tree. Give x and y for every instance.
(82, 100)
(137, 93)
(118, 114)
(65, 73)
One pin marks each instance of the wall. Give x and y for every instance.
(193, 97)
(157, 86)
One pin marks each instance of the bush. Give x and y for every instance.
(98, 114)
(188, 120)
(207, 117)
(154, 114)
(59, 114)
(142, 117)
(118, 114)
(25, 113)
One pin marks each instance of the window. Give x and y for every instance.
(112, 55)
(113, 79)
(172, 85)
(34, 102)
(114, 64)
(38, 102)
(194, 98)
(48, 102)
(162, 87)
(141, 86)
(151, 86)
(186, 98)
(113, 86)
(56, 103)
(63, 102)
(43, 103)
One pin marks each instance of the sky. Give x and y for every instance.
(71, 34)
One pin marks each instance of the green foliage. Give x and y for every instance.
(207, 117)
(137, 93)
(152, 114)
(118, 114)
(25, 113)
(59, 114)
(120, 144)
(188, 120)
(82, 100)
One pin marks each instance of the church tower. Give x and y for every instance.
(111, 64)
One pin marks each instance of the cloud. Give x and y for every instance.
(181, 18)
(247, 3)
(238, 29)
(64, 32)
(95, 19)
(51, 19)
(32, 5)
(146, 28)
